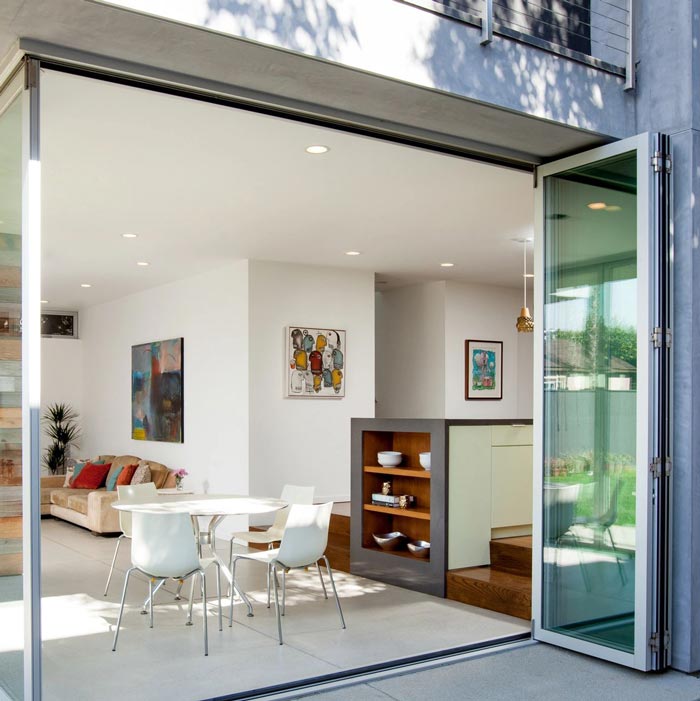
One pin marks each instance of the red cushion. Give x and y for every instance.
(91, 476)
(125, 475)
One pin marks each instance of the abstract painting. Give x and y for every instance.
(156, 391)
(315, 362)
(483, 372)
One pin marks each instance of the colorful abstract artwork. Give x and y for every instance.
(156, 391)
(483, 371)
(315, 362)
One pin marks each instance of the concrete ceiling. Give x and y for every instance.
(102, 35)
(201, 184)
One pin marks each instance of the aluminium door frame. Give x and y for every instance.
(652, 569)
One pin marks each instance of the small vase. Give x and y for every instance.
(178, 486)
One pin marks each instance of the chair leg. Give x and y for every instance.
(277, 603)
(233, 589)
(204, 610)
(121, 608)
(269, 584)
(284, 591)
(218, 593)
(189, 612)
(150, 600)
(114, 559)
(623, 576)
(323, 584)
(582, 566)
(230, 564)
(335, 591)
(180, 583)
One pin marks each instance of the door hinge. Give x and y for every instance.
(661, 162)
(657, 336)
(655, 639)
(656, 465)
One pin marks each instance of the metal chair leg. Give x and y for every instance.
(233, 590)
(189, 613)
(269, 584)
(150, 599)
(582, 566)
(204, 610)
(320, 576)
(121, 608)
(277, 603)
(335, 591)
(114, 559)
(284, 591)
(178, 596)
(218, 592)
(623, 576)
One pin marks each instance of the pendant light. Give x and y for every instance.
(525, 324)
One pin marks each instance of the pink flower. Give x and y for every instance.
(181, 473)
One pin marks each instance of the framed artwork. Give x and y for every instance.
(55, 324)
(483, 371)
(156, 391)
(315, 362)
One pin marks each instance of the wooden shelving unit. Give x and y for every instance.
(422, 521)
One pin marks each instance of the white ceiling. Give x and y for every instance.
(202, 184)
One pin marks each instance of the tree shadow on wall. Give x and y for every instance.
(308, 26)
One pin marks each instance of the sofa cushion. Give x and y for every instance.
(126, 475)
(60, 496)
(119, 462)
(92, 476)
(159, 474)
(142, 474)
(78, 502)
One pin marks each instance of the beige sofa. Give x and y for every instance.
(92, 509)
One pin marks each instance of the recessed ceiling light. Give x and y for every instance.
(85, 284)
(353, 253)
(447, 265)
(596, 205)
(129, 236)
(44, 301)
(613, 208)
(143, 263)
(317, 149)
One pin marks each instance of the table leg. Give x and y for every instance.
(210, 536)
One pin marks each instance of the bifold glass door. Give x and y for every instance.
(601, 452)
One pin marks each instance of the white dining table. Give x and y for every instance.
(216, 507)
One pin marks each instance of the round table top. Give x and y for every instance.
(206, 505)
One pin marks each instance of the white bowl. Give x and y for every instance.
(389, 458)
(424, 459)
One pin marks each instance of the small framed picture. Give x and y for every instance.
(483, 371)
(59, 324)
(315, 362)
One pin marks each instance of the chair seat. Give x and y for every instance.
(271, 535)
(265, 556)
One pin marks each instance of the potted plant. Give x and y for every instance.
(60, 425)
(179, 476)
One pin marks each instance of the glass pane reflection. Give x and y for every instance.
(590, 402)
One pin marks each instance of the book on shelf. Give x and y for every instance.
(391, 501)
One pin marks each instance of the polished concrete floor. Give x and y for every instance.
(167, 662)
(534, 672)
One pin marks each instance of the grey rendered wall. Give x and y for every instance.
(667, 100)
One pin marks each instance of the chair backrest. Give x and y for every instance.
(134, 494)
(559, 506)
(164, 544)
(305, 535)
(292, 494)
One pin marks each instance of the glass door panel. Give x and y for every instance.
(11, 498)
(597, 293)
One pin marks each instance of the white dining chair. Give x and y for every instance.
(164, 546)
(303, 545)
(130, 494)
(292, 494)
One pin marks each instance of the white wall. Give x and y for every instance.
(210, 312)
(421, 330)
(410, 358)
(297, 440)
(486, 313)
(62, 379)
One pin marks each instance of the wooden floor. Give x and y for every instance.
(504, 586)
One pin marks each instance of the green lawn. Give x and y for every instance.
(626, 502)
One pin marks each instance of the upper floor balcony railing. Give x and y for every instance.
(597, 32)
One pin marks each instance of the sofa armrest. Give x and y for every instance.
(52, 481)
(102, 518)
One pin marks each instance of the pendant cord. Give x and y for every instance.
(524, 273)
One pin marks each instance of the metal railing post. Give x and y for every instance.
(487, 23)
(631, 63)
